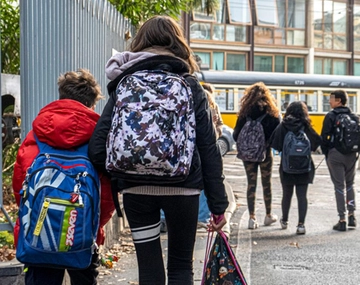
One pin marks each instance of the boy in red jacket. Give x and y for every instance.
(66, 124)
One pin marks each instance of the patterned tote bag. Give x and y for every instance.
(221, 266)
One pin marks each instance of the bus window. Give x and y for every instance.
(309, 97)
(352, 102)
(273, 92)
(224, 97)
(326, 100)
(241, 94)
(288, 96)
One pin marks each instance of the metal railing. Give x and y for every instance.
(59, 36)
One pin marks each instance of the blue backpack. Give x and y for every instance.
(296, 153)
(59, 209)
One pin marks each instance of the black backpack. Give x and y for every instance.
(296, 153)
(347, 133)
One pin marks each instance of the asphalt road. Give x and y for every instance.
(269, 255)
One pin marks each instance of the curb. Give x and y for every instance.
(11, 273)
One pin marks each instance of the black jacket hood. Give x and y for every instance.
(292, 124)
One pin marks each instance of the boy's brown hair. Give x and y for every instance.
(81, 86)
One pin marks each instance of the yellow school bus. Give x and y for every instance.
(313, 89)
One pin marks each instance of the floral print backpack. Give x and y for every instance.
(152, 136)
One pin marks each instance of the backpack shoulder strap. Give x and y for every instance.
(43, 147)
(261, 117)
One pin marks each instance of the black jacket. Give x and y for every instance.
(277, 141)
(328, 129)
(269, 123)
(206, 170)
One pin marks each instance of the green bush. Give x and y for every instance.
(6, 239)
(9, 157)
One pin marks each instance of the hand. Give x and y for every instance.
(216, 223)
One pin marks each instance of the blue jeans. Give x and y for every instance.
(204, 212)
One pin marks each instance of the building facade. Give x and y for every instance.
(293, 36)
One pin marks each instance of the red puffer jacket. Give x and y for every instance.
(63, 124)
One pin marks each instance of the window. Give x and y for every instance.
(266, 12)
(295, 65)
(330, 24)
(224, 97)
(235, 33)
(235, 61)
(205, 58)
(263, 63)
(309, 97)
(280, 22)
(326, 101)
(200, 14)
(288, 96)
(279, 63)
(222, 60)
(218, 61)
(352, 101)
(357, 68)
(239, 11)
(200, 31)
(229, 23)
(330, 66)
(218, 33)
(357, 28)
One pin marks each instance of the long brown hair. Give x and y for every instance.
(258, 94)
(165, 32)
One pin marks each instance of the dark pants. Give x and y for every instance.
(52, 276)
(181, 214)
(342, 168)
(288, 190)
(251, 169)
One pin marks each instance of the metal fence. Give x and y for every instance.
(61, 35)
(58, 36)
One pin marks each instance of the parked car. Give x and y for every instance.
(226, 141)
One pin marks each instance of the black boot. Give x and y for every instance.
(352, 221)
(340, 226)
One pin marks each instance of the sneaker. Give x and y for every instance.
(300, 230)
(253, 224)
(352, 221)
(340, 226)
(270, 219)
(283, 224)
(163, 226)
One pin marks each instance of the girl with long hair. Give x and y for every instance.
(295, 119)
(160, 45)
(257, 102)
